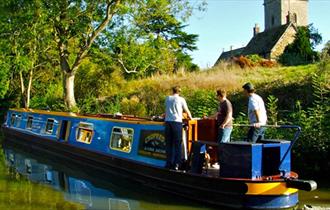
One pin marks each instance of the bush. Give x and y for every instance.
(201, 102)
(133, 106)
(243, 62)
(255, 59)
(267, 63)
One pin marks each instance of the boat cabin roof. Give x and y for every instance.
(108, 117)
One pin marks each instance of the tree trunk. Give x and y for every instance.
(68, 84)
(28, 90)
(22, 89)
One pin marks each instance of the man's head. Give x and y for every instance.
(221, 94)
(176, 90)
(248, 88)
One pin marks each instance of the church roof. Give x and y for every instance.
(262, 43)
(229, 54)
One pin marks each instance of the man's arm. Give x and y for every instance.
(185, 108)
(257, 113)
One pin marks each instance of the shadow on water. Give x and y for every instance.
(90, 188)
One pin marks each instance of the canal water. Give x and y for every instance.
(29, 180)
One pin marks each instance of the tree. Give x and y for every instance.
(79, 24)
(156, 28)
(25, 40)
(76, 25)
(302, 50)
(326, 49)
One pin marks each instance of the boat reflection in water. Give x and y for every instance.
(78, 188)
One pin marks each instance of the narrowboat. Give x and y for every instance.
(251, 175)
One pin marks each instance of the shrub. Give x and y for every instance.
(267, 63)
(133, 106)
(255, 59)
(201, 102)
(243, 62)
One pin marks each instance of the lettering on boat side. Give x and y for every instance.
(152, 144)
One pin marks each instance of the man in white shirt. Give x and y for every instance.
(175, 106)
(257, 114)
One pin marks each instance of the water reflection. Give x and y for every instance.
(93, 190)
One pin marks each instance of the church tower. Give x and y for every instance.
(280, 12)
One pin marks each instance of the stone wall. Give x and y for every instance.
(276, 12)
(298, 7)
(272, 10)
(286, 39)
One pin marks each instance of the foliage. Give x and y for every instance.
(201, 102)
(243, 62)
(93, 105)
(311, 153)
(255, 59)
(150, 39)
(251, 61)
(51, 99)
(326, 50)
(132, 106)
(301, 51)
(267, 63)
(4, 78)
(26, 50)
(272, 110)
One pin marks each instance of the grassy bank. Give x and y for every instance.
(145, 97)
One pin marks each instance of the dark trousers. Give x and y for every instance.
(256, 134)
(173, 137)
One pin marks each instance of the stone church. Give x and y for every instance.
(281, 20)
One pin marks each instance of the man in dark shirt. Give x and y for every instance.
(224, 117)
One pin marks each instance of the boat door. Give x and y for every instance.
(64, 130)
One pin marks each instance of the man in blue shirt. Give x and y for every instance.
(257, 114)
(175, 106)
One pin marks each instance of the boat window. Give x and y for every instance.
(122, 139)
(85, 133)
(49, 126)
(12, 119)
(29, 122)
(18, 120)
(15, 120)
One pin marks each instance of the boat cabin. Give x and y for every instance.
(142, 140)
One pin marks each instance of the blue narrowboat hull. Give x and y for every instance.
(143, 163)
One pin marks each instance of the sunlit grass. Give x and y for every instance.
(225, 76)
